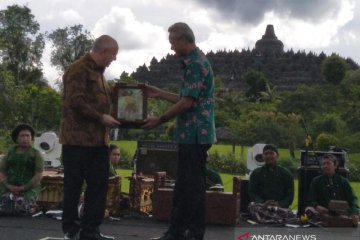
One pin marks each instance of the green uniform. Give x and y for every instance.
(112, 171)
(324, 188)
(271, 183)
(20, 169)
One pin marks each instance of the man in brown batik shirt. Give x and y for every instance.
(84, 133)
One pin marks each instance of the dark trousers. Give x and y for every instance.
(189, 202)
(89, 164)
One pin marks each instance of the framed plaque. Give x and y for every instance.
(130, 104)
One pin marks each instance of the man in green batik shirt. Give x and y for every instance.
(271, 184)
(332, 186)
(194, 131)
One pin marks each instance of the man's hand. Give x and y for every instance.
(152, 91)
(109, 121)
(151, 122)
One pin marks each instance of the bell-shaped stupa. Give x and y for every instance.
(269, 44)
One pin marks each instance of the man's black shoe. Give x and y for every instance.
(69, 236)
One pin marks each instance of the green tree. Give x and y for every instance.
(39, 106)
(21, 46)
(8, 99)
(324, 141)
(329, 123)
(305, 101)
(270, 94)
(256, 82)
(333, 68)
(70, 43)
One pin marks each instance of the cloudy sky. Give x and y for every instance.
(140, 26)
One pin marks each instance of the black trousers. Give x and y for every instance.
(89, 165)
(189, 202)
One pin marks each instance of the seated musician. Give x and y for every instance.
(20, 174)
(114, 155)
(271, 190)
(331, 186)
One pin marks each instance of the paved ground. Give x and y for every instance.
(43, 227)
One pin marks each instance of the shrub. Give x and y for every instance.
(325, 140)
(290, 165)
(126, 161)
(352, 142)
(226, 164)
(354, 171)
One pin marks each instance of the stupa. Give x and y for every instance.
(269, 44)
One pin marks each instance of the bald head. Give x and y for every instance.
(104, 50)
(104, 42)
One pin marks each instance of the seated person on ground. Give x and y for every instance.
(20, 174)
(271, 189)
(114, 155)
(331, 186)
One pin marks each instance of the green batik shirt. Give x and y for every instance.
(21, 167)
(197, 124)
(112, 171)
(271, 183)
(324, 188)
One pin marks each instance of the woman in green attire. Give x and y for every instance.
(20, 174)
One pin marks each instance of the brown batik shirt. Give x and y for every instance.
(85, 99)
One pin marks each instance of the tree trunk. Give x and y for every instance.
(292, 150)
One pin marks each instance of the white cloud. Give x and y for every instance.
(50, 72)
(138, 41)
(71, 17)
(140, 26)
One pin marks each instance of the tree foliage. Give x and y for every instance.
(333, 68)
(257, 83)
(21, 46)
(69, 44)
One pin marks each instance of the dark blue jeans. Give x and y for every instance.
(189, 202)
(89, 164)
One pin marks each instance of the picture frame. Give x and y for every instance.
(129, 105)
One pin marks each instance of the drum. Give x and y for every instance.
(113, 194)
(52, 190)
(140, 193)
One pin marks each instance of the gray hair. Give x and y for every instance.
(330, 157)
(104, 42)
(182, 31)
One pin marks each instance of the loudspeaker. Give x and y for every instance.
(313, 158)
(306, 175)
(156, 156)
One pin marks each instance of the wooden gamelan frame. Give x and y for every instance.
(129, 104)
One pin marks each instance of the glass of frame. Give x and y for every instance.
(130, 104)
